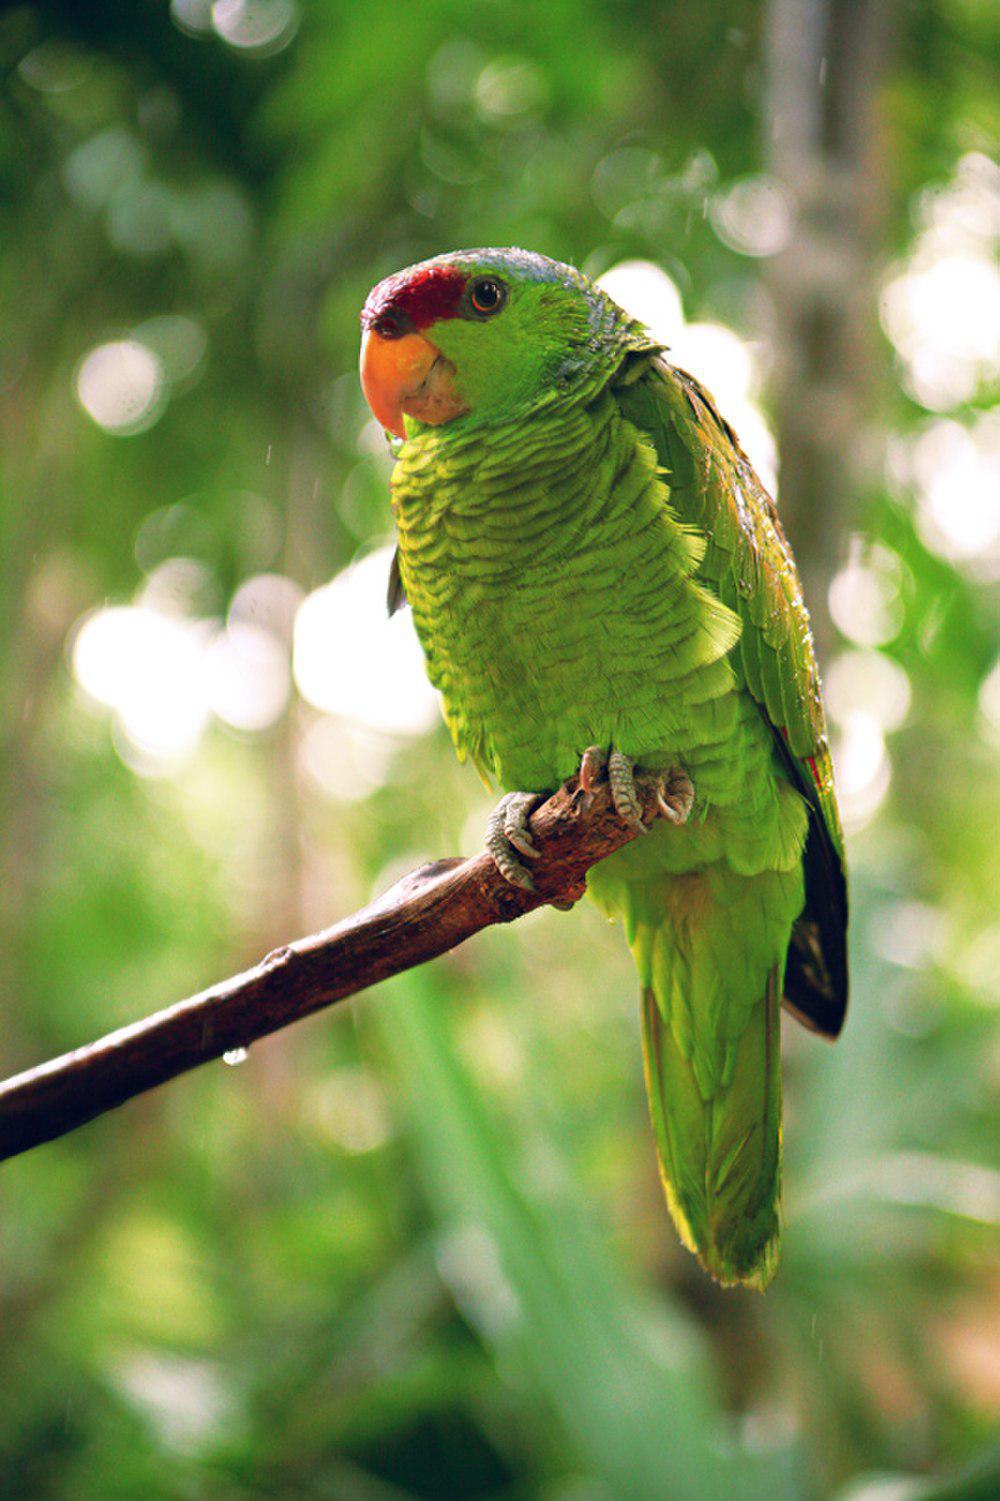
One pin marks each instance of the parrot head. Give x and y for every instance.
(480, 334)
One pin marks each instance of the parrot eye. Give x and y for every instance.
(487, 296)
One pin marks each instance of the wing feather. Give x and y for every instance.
(749, 564)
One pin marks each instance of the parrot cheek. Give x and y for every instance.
(437, 401)
(407, 376)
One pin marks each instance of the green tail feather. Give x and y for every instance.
(720, 1159)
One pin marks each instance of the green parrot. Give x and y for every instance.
(600, 582)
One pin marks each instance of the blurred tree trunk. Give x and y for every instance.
(826, 61)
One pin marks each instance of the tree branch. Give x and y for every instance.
(427, 913)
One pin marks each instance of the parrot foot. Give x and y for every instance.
(674, 789)
(508, 831)
(593, 764)
(624, 793)
(675, 795)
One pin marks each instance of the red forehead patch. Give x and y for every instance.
(422, 297)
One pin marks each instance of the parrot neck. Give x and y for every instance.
(486, 501)
(481, 503)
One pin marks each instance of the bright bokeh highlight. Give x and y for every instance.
(350, 659)
(941, 306)
(723, 362)
(146, 666)
(753, 216)
(956, 471)
(864, 596)
(261, 27)
(165, 671)
(649, 294)
(121, 386)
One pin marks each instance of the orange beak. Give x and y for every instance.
(410, 377)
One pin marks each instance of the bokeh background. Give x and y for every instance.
(416, 1248)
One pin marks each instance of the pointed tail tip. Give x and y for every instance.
(747, 1256)
(740, 1260)
(737, 1268)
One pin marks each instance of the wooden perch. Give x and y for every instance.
(425, 914)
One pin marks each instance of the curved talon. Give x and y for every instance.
(675, 795)
(507, 831)
(518, 808)
(621, 775)
(592, 766)
(673, 789)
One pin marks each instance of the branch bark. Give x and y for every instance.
(427, 913)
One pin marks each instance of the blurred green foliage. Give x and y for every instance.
(418, 1248)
